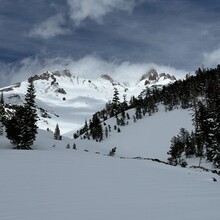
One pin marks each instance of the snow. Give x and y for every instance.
(150, 137)
(53, 182)
(82, 99)
(58, 183)
(42, 184)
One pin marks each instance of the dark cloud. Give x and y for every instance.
(183, 34)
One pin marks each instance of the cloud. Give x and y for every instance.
(97, 9)
(212, 58)
(90, 67)
(52, 27)
(79, 10)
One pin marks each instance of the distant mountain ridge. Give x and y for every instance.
(62, 95)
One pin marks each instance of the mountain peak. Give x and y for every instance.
(153, 76)
(150, 75)
(47, 75)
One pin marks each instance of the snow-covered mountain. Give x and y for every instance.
(64, 98)
(54, 181)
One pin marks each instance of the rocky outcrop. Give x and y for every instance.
(47, 75)
(60, 90)
(62, 73)
(150, 75)
(153, 76)
(107, 77)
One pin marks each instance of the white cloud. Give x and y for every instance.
(90, 67)
(97, 9)
(211, 59)
(80, 10)
(52, 27)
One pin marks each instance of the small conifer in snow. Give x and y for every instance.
(112, 152)
(57, 133)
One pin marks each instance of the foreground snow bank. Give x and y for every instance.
(76, 185)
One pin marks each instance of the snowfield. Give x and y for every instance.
(44, 185)
(64, 98)
(52, 182)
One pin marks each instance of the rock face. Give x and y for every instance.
(51, 75)
(153, 76)
(107, 77)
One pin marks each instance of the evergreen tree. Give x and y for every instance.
(213, 109)
(128, 116)
(106, 132)
(57, 132)
(138, 112)
(2, 111)
(74, 146)
(96, 129)
(116, 99)
(134, 118)
(13, 128)
(176, 150)
(112, 152)
(201, 128)
(190, 148)
(29, 129)
(21, 128)
(115, 102)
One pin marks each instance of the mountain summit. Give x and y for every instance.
(65, 98)
(152, 76)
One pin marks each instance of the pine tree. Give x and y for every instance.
(112, 152)
(13, 128)
(213, 108)
(201, 128)
(115, 102)
(128, 116)
(29, 129)
(106, 132)
(57, 132)
(190, 148)
(21, 128)
(96, 129)
(115, 99)
(176, 150)
(1, 114)
(74, 146)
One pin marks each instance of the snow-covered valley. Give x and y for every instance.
(55, 181)
(56, 185)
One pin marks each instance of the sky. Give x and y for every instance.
(92, 36)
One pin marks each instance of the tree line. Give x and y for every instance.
(200, 92)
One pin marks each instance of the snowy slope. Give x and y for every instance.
(71, 185)
(66, 99)
(53, 182)
(149, 137)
